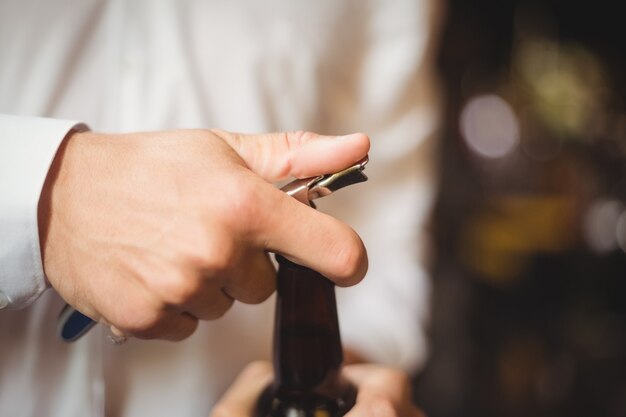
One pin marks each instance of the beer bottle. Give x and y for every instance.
(307, 349)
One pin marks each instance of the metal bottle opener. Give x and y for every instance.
(308, 189)
(72, 324)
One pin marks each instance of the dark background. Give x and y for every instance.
(529, 277)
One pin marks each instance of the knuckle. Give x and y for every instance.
(143, 323)
(254, 281)
(258, 297)
(180, 331)
(219, 256)
(296, 137)
(175, 284)
(217, 309)
(255, 296)
(221, 134)
(288, 144)
(180, 289)
(243, 207)
(219, 312)
(259, 292)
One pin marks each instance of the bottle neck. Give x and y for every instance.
(307, 345)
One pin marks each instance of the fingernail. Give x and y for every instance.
(116, 336)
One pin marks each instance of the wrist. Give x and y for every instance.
(46, 206)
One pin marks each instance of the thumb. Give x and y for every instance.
(240, 399)
(276, 156)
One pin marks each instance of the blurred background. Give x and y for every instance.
(529, 270)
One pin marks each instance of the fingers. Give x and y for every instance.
(208, 304)
(276, 156)
(173, 243)
(261, 216)
(280, 223)
(174, 327)
(241, 397)
(133, 309)
(313, 239)
(383, 392)
(251, 280)
(254, 280)
(190, 294)
(375, 380)
(171, 325)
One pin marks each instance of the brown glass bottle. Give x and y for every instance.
(307, 349)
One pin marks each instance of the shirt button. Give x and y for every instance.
(4, 300)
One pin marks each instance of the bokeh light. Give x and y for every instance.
(489, 126)
(600, 225)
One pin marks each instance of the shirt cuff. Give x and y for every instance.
(28, 146)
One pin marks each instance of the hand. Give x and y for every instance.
(383, 392)
(151, 232)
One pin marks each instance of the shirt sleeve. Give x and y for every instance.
(27, 147)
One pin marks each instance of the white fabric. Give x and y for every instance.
(124, 65)
(27, 149)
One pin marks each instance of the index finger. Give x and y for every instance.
(314, 239)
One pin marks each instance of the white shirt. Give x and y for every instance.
(121, 65)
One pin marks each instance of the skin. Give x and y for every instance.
(383, 392)
(151, 232)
